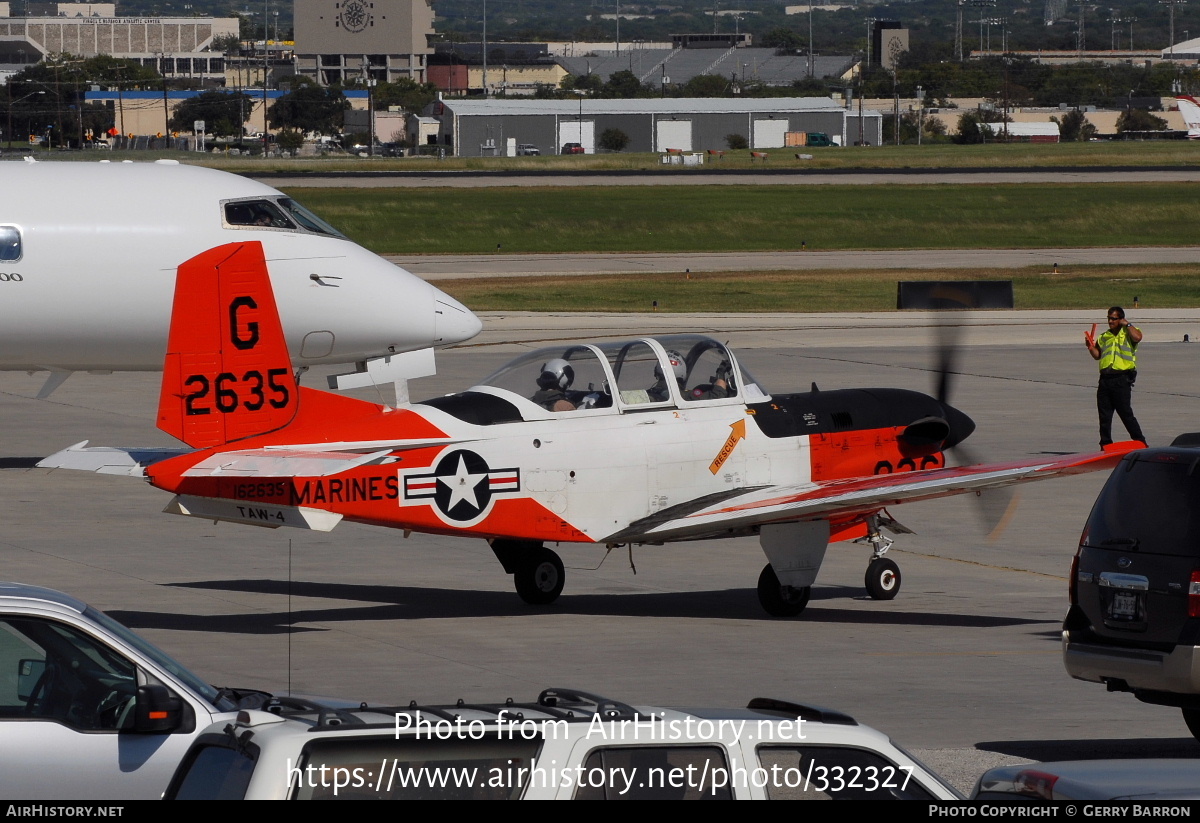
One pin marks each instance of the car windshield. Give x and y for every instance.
(160, 658)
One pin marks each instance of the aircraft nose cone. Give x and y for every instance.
(453, 322)
(961, 426)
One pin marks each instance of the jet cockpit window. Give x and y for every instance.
(255, 214)
(10, 244)
(641, 381)
(307, 219)
(710, 371)
(558, 379)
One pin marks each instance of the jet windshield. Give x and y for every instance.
(276, 213)
(307, 219)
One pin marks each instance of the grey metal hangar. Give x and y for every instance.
(483, 128)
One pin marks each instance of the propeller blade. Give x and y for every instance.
(995, 507)
(948, 336)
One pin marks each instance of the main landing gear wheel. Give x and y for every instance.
(540, 577)
(778, 600)
(883, 579)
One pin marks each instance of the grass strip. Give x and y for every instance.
(758, 218)
(1170, 286)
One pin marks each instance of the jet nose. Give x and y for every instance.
(961, 426)
(453, 322)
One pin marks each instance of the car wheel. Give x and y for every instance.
(778, 600)
(1192, 718)
(540, 577)
(882, 579)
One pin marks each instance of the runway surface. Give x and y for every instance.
(964, 666)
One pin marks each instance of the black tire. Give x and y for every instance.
(778, 600)
(1192, 718)
(540, 577)
(882, 579)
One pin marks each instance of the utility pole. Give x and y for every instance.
(920, 111)
(958, 32)
(810, 41)
(983, 18)
(1080, 40)
(871, 21)
(1171, 4)
(266, 73)
(618, 28)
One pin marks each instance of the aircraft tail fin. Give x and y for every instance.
(1189, 109)
(227, 373)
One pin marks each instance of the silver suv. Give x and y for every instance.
(90, 710)
(565, 745)
(1134, 621)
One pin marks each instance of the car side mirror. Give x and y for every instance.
(158, 711)
(29, 674)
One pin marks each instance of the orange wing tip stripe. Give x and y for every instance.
(253, 514)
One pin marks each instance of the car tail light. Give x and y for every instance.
(1073, 583)
(1194, 595)
(1035, 784)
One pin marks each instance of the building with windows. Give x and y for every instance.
(382, 40)
(175, 46)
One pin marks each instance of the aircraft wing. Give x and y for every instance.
(305, 460)
(108, 460)
(847, 497)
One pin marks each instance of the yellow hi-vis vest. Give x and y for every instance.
(1117, 351)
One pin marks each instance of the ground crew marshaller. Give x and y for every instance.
(1116, 350)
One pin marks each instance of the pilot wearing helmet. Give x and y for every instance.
(556, 377)
(719, 388)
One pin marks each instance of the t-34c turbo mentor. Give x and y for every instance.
(89, 251)
(637, 442)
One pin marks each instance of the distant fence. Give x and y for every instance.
(147, 142)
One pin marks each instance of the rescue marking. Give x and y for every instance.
(738, 433)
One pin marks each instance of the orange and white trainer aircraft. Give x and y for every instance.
(638, 442)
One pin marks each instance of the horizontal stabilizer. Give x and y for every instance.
(108, 460)
(253, 513)
(281, 463)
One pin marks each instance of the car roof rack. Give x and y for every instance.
(555, 703)
(575, 699)
(815, 714)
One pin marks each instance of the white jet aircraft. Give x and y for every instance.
(89, 251)
(1189, 108)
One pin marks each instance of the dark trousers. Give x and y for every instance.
(1115, 393)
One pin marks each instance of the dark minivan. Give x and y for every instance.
(1134, 621)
